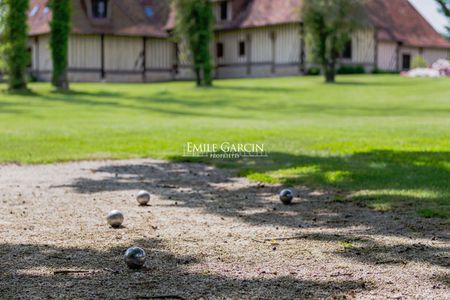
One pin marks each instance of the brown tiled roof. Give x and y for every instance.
(39, 22)
(127, 18)
(399, 21)
(396, 20)
(258, 13)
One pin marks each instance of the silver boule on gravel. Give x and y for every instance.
(143, 197)
(115, 218)
(134, 257)
(286, 196)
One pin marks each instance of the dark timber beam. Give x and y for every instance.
(36, 41)
(176, 65)
(273, 37)
(249, 54)
(144, 59)
(302, 68)
(375, 53)
(102, 56)
(397, 56)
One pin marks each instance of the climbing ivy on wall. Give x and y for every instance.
(194, 26)
(59, 42)
(14, 50)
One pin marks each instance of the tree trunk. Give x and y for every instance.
(330, 72)
(207, 73)
(198, 75)
(60, 81)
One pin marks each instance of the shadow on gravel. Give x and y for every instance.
(90, 274)
(199, 186)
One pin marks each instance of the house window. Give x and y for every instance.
(30, 61)
(241, 48)
(219, 50)
(99, 9)
(347, 53)
(224, 10)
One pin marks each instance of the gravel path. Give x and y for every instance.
(207, 235)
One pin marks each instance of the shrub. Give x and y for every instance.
(313, 71)
(419, 62)
(348, 69)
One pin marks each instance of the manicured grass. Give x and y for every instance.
(381, 140)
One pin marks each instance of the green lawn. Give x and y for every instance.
(381, 140)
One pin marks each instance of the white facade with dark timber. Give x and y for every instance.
(117, 41)
(109, 58)
(268, 51)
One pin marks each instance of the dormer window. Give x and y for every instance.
(99, 9)
(224, 10)
(149, 12)
(34, 11)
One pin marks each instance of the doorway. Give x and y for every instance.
(406, 61)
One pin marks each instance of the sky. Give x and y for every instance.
(429, 9)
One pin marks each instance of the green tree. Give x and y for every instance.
(194, 25)
(14, 43)
(445, 9)
(445, 6)
(2, 32)
(2, 16)
(329, 25)
(59, 42)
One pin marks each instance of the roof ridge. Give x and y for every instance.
(397, 20)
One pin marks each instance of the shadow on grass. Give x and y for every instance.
(10, 108)
(260, 89)
(234, 101)
(13, 107)
(24, 92)
(382, 179)
(161, 103)
(367, 83)
(213, 103)
(78, 93)
(28, 272)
